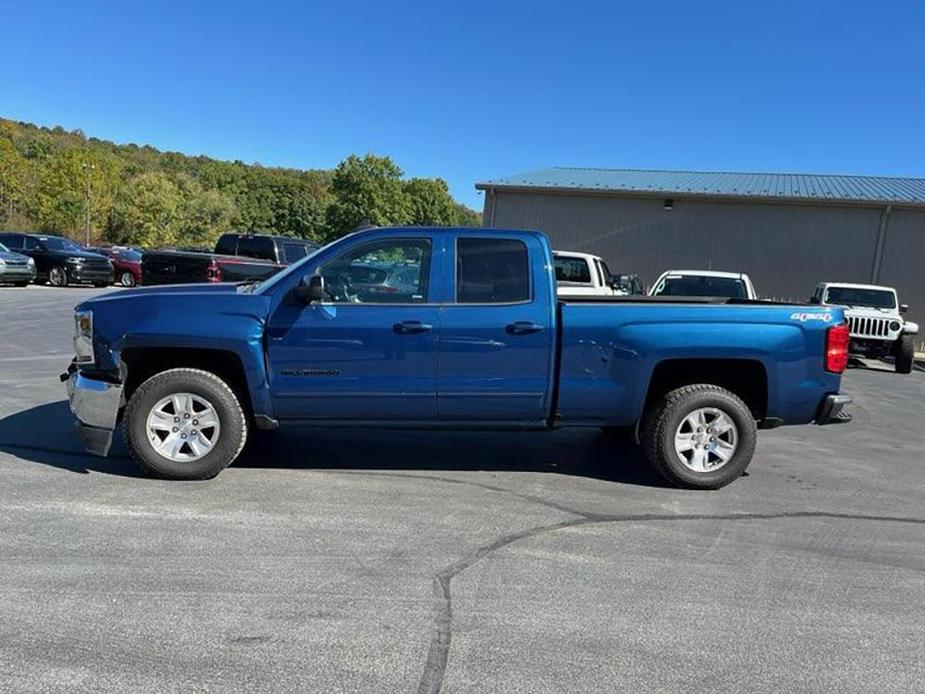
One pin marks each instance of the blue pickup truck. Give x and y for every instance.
(446, 328)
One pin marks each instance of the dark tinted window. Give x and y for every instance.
(704, 286)
(257, 247)
(12, 241)
(491, 271)
(294, 251)
(227, 245)
(572, 270)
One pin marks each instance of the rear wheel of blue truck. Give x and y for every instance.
(184, 424)
(700, 436)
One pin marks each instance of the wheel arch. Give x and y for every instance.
(747, 378)
(138, 364)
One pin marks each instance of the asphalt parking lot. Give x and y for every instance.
(353, 560)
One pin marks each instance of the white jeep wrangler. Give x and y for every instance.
(875, 321)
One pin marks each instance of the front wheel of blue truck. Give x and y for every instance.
(184, 424)
(700, 436)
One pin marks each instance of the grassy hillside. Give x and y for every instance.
(63, 182)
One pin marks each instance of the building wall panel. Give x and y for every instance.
(786, 248)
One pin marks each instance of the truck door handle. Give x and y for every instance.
(523, 327)
(412, 327)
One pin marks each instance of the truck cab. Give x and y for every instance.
(583, 274)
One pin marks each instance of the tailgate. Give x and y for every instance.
(166, 267)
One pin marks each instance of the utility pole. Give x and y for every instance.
(88, 168)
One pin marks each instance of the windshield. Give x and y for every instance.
(702, 286)
(56, 243)
(850, 296)
(127, 254)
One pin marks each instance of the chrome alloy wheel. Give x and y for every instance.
(57, 277)
(706, 439)
(183, 427)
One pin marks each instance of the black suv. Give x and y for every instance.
(58, 260)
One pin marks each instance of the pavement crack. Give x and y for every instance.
(438, 651)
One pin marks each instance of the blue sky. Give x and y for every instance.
(469, 91)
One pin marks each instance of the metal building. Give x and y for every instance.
(787, 231)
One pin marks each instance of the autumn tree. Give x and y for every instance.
(75, 189)
(367, 190)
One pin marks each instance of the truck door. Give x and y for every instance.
(369, 350)
(496, 330)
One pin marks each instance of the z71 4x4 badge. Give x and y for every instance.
(803, 317)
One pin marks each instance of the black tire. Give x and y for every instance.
(904, 354)
(232, 421)
(57, 276)
(665, 419)
(127, 279)
(101, 285)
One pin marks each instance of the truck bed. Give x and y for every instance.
(611, 346)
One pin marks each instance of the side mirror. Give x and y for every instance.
(309, 290)
(815, 300)
(614, 282)
(903, 308)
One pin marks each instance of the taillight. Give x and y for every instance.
(213, 272)
(836, 348)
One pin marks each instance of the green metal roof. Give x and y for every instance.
(778, 186)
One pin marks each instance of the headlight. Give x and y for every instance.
(83, 337)
(895, 325)
(75, 260)
(30, 262)
(2, 261)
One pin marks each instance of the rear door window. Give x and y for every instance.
(492, 271)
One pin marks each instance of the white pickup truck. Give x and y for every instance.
(875, 320)
(583, 274)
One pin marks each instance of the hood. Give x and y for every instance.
(76, 254)
(870, 312)
(18, 257)
(172, 291)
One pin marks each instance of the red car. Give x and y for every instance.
(126, 263)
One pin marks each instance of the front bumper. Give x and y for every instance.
(77, 272)
(95, 404)
(832, 410)
(16, 273)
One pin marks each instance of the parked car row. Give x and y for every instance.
(59, 261)
(876, 324)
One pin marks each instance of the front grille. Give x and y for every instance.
(17, 263)
(869, 327)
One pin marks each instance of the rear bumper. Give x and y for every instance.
(95, 404)
(832, 410)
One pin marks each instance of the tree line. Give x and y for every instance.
(64, 182)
